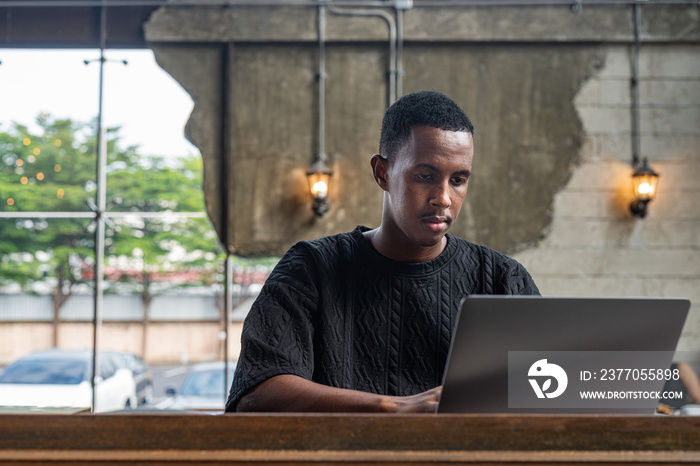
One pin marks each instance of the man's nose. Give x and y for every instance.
(441, 197)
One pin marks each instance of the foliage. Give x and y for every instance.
(54, 171)
(50, 171)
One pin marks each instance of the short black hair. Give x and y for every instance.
(422, 108)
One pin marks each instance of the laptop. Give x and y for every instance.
(533, 354)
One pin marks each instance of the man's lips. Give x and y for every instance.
(436, 222)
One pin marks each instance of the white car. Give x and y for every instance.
(62, 378)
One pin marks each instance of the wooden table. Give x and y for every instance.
(347, 439)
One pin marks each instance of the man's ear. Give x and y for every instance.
(380, 168)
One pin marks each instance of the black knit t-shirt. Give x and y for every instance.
(337, 312)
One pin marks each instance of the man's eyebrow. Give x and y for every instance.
(435, 169)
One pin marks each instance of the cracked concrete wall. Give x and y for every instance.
(548, 92)
(594, 247)
(527, 130)
(527, 127)
(528, 133)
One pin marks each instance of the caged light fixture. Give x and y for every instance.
(644, 181)
(319, 174)
(319, 178)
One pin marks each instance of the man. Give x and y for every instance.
(362, 321)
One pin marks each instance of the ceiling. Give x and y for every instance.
(66, 26)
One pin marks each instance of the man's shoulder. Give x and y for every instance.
(322, 252)
(467, 247)
(339, 241)
(317, 261)
(500, 273)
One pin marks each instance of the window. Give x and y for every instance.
(163, 266)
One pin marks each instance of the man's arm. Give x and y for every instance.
(291, 393)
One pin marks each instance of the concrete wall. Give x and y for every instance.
(594, 247)
(547, 89)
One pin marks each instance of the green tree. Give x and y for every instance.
(54, 170)
(50, 171)
(164, 251)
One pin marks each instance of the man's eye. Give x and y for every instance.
(458, 181)
(425, 177)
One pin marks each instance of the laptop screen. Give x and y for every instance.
(525, 354)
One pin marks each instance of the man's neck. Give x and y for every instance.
(389, 247)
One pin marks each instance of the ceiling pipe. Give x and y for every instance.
(342, 3)
(392, 40)
(399, 9)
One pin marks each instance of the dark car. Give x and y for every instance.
(143, 375)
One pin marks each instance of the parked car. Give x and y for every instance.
(202, 389)
(142, 373)
(62, 378)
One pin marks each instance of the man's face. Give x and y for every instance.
(426, 185)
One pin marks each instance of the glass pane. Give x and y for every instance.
(164, 275)
(148, 106)
(152, 167)
(155, 257)
(51, 170)
(46, 267)
(47, 131)
(138, 183)
(163, 272)
(164, 296)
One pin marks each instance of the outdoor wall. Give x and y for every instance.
(548, 91)
(167, 342)
(17, 339)
(594, 247)
(180, 327)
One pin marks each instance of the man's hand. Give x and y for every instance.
(426, 402)
(290, 393)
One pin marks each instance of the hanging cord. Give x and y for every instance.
(634, 85)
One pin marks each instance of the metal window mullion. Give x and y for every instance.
(101, 198)
(106, 215)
